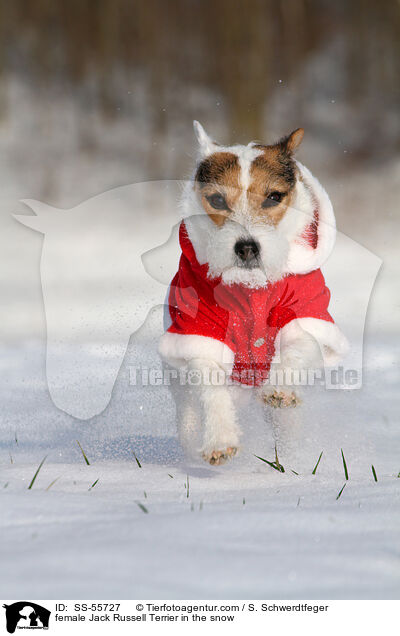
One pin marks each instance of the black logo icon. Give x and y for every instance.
(26, 615)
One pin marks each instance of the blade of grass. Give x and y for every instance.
(94, 483)
(170, 476)
(316, 465)
(11, 458)
(142, 507)
(293, 471)
(279, 467)
(6, 484)
(37, 472)
(137, 461)
(145, 494)
(277, 462)
(83, 453)
(346, 473)
(187, 486)
(374, 473)
(52, 483)
(340, 491)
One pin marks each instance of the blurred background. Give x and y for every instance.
(95, 94)
(116, 83)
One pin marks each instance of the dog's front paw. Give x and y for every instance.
(281, 399)
(218, 457)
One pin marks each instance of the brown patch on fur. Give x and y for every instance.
(218, 173)
(273, 171)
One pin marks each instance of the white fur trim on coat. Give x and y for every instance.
(177, 349)
(333, 344)
(311, 202)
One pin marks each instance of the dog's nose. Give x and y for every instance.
(247, 250)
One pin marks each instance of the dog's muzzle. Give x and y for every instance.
(247, 251)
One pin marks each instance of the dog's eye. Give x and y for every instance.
(217, 201)
(272, 199)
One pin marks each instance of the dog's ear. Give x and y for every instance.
(206, 144)
(290, 143)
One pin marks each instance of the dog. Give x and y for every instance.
(249, 304)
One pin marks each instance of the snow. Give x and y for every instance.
(270, 547)
(242, 531)
(291, 538)
(245, 530)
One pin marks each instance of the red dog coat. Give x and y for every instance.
(246, 320)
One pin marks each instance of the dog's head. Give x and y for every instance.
(246, 193)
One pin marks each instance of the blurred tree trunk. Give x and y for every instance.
(240, 42)
(234, 49)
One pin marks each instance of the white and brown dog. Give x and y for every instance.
(249, 304)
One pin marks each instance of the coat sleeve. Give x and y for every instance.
(304, 307)
(198, 326)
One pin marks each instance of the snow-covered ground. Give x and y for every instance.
(173, 529)
(240, 530)
(243, 529)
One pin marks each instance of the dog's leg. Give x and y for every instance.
(287, 430)
(189, 419)
(188, 412)
(221, 431)
(298, 353)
